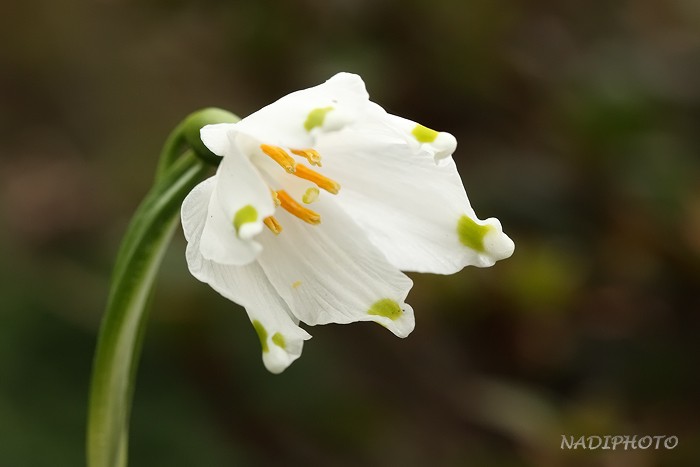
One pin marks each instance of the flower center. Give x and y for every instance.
(283, 199)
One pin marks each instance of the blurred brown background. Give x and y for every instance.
(577, 124)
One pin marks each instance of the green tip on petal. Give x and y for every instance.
(424, 134)
(278, 340)
(387, 308)
(246, 214)
(316, 117)
(262, 334)
(472, 234)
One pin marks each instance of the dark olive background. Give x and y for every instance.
(578, 125)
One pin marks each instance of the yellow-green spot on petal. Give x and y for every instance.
(472, 234)
(262, 334)
(424, 134)
(316, 117)
(310, 195)
(296, 284)
(246, 214)
(278, 340)
(387, 308)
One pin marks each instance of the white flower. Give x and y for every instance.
(286, 242)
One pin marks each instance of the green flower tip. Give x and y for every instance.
(279, 341)
(472, 234)
(262, 334)
(387, 308)
(423, 134)
(316, 117)
(245, 215)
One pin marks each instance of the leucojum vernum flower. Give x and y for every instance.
(321, 199)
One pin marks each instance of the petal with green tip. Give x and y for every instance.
(246, 285)
(343, 274)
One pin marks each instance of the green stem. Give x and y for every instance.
(138, 261)
(187, 133)
(119, 342)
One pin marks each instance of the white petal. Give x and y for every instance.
(281, 338)
(293, 120)
(331, 273)
(239, 203)
(411, 205)
(215, 137)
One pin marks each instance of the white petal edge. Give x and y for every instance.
(215, 137)
(282, 123)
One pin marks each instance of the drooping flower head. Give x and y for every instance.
(320, 200)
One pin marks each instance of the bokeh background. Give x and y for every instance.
(578, 125)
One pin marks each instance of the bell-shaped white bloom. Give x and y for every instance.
(320, 200)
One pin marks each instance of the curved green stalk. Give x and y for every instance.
(122, 328)
(138, 261)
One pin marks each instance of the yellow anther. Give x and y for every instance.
(272, 224)
(275, 199)
(296, 209)
(326, 183)
(280, 156)
(310, 155)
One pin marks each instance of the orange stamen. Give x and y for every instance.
(272, 224)
(310, 155)
(280, 156)
(326, 183)
(296, 209)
